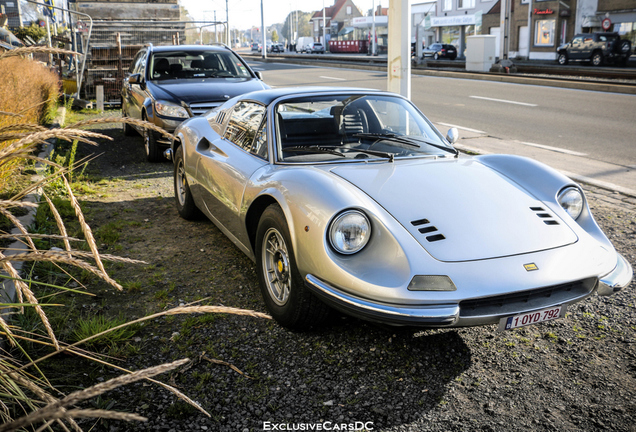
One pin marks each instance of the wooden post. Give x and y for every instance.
(99, 95)
(120, 65)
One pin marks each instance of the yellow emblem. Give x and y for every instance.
(530, 267)
(280, 266)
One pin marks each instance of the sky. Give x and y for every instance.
(244, 14)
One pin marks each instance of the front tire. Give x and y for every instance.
(183, 196)
(436, 56)
(285, 295)
(563, 59)
(153, 152)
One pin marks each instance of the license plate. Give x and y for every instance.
(529, 318)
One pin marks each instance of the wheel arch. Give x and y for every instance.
(253, 215)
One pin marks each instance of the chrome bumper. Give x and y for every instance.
(617, 279)
(434, 316)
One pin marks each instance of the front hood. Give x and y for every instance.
(196, 90)
(460, 210)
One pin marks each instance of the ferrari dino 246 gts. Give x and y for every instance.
(351, 199)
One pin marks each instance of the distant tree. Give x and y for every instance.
(274, 36)
(303, 29)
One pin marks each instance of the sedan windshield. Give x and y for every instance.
(196, 64)
(346, 127)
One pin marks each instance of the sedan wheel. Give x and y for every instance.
(282, 287)
(436, 56)
(153, 152)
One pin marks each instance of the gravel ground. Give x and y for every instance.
(577, 373)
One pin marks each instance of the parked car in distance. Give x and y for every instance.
(303, 42)
(439, 50)
(317, 48)
(254, 46)
(596, 48)
(168, 84)
(277, 48)
(352, 199)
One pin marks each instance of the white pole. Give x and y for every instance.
(529, 28)
(373, 47)
(324, 24)
(264, 45)
(399, 50)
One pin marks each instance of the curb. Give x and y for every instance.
(8, 290)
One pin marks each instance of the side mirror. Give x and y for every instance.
(259, 75)
(134, 79)
(452, 135)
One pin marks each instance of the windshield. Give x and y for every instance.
(196, 64)
(341, 127)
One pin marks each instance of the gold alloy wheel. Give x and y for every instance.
(276, 266)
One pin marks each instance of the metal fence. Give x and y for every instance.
(114, 44)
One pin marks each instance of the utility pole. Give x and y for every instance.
(399, 53)
(227, 24)
(264, 45)
(324, 25)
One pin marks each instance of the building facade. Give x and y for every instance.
(336, 18)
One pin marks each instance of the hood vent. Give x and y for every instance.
(542, 213)
(428, 229)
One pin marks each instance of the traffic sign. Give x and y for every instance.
(606, 24)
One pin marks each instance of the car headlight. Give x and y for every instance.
(571, 200)
(170, 109)
(349, 232)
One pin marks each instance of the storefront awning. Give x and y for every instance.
(345, 31)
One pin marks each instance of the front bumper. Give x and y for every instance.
(617, 279)
(429, 316)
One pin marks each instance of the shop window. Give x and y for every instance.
(465, 4)
(348, 10)
(544, 33)
(447, 5)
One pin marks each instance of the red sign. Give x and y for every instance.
(606, 24)
(543, 11)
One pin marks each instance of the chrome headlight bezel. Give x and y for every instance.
(170, 109)
(572, 201)
(345, 228)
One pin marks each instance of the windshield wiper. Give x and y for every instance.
(332, 150)
(407, 140)
(313, 149)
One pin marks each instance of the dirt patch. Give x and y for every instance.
(578, 373)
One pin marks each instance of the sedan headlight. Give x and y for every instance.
(170, 109)
(349, 232)
(571, 200)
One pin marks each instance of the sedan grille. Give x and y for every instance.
(203, 107)
(508, 304)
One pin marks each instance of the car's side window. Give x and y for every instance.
(134, 66)
(260, 143)
(245, 119)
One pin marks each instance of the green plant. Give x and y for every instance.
(88, 327)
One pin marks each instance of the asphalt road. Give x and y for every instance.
(595, 125)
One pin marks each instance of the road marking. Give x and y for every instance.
(332, 78)
(555, 149)
(504, 101)
(462, 128)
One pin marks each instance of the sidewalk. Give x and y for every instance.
(582, 169)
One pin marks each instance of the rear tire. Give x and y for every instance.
(287, 299)
(128, 129)
(183, 196)
(597, 58)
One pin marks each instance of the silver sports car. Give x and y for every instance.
(351, 199)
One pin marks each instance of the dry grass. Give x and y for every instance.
(28, 94)
(22, 385)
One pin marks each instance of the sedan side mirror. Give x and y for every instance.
(134, 79)
(452, 135)
(259, 75)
